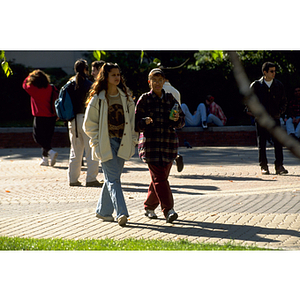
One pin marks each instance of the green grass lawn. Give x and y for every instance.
(26, 244)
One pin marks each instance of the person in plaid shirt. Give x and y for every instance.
(215, 113)
(293, 115)
(158, 143)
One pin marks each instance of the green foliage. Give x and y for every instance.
(194, 73)
(5, 66)
(207, 59)
(142, 56)
(28, 244)
(97, 54)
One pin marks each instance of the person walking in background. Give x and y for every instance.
(42, 96)
(109, 122)
(158, 143)
(215, 114)
(96, 66)
(271, 94)
(168, 88)
(293, 115)
(79, 140)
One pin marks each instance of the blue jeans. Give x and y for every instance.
(290, 127)
(111, 196)
(214, 119)
(195, 119)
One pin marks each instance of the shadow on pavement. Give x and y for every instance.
(220, 178)
(178, 189)
(217, 230)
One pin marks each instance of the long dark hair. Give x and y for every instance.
(38, 78)
(80, 67)
(101, 81)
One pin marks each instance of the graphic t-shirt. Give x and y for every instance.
(115, 116)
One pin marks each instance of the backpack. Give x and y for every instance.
(63, 105)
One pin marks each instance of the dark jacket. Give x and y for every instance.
(79, 95)
(272, 98)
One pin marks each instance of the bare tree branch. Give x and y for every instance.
(258, 110)
(177, 67)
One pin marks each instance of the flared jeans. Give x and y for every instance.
(111, 196)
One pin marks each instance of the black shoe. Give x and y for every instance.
(265, 170)
(281, 170)
(95, 183)
(150, 214)
(77, 183)
(187, 144)
(171, 216)
(179, 163)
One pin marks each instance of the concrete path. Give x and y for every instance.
(220, 196)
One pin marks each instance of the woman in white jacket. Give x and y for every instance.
(109, 122)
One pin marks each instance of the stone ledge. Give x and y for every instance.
(218, 136)
(21, 137)
(219, 129)
(27, 129)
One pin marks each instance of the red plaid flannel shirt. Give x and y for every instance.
(216, 110)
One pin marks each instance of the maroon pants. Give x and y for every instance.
(159, 191)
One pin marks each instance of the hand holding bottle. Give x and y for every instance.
(174, 114)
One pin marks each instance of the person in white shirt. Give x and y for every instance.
(168, 88)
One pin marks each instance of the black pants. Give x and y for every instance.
(262, 136)
(43, 129)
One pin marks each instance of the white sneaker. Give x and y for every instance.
(53, 155)
(122, 220)
(106, 219)
(44, 161)
(171, 216)
(150, 214)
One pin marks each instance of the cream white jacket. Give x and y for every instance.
(95, 125)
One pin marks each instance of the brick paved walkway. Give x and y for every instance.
(220, 196)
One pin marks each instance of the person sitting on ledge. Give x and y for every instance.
(213, 114)
(198, 118)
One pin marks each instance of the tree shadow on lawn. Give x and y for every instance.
(217, 230)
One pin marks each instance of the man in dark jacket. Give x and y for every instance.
(271, 94)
